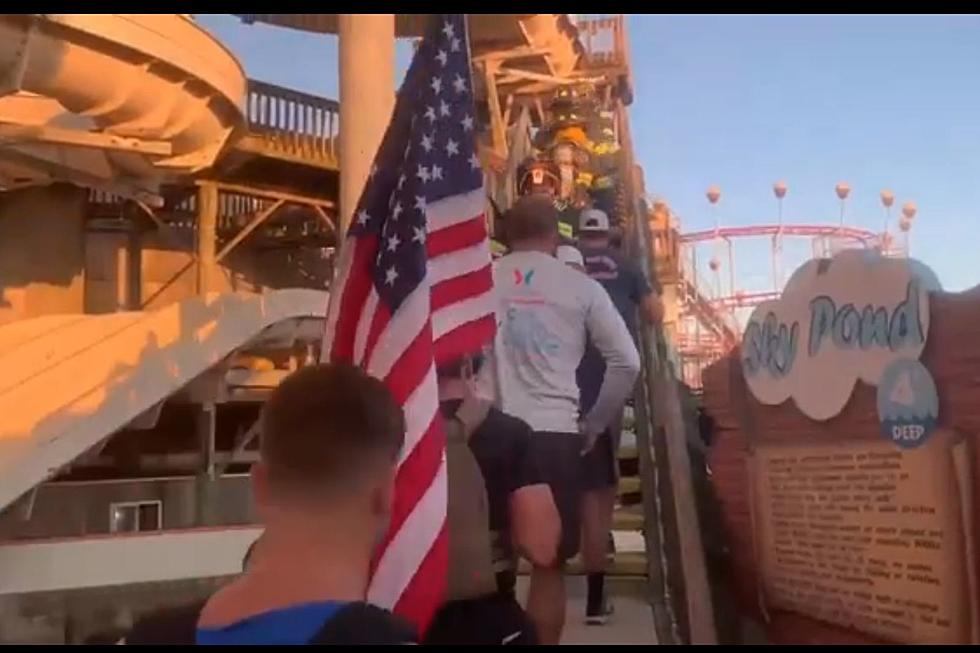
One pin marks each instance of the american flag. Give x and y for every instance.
(414, 288)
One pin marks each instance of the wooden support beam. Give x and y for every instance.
(507, 107)
(207, 225)
(540, 109)
(320, 213)
(169, 233)
(513, 53)
(271, 194)
(497, 128)
(260, 217)
(12, 134)
(241, 443)
(511, 75)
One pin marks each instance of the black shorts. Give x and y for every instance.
(559, 460)
(487, 621)
(600, 466)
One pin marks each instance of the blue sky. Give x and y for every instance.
(742, 101)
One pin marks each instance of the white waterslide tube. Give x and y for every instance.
(154, 94)
(68, 382)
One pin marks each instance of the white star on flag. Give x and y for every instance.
(391, 275)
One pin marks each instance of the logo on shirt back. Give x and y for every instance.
(523, 278)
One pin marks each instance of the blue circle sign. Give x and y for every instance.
(908, 405)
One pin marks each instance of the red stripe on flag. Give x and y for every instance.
(414, 476)
(355, 293)
(427, 589)
(410, 369)
(462, 339)
(460, 235)
(379, 322)
(462, 287)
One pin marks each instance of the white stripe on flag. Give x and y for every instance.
(459, 262)
(459, 313)
(403, 327)
(455, 209)
(364, 326)
(419, 409)
(408, 548)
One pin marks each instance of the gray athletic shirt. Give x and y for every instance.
(545, 311)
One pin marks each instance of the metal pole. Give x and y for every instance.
(731, 268)
(775, 265)
(206, 468)
(777, 259)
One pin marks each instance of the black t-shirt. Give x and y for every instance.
(627, 286)
(622, 279)
(501, 446)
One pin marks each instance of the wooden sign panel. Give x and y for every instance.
(868, 536)
(837, 321)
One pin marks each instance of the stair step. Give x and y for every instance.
(629, 518)
(633, 563)
(627, 452)
(629, 485)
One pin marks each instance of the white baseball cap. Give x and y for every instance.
(569, 255)
(593, 220)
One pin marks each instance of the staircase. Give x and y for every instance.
(629, 560)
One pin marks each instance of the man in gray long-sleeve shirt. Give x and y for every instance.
(546, 312)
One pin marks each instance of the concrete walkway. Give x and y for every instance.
(632, 622)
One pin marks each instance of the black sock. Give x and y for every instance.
(593, 603)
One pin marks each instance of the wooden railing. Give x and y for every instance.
(294, 123)
(604, 40)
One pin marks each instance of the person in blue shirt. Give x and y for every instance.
(323, 488)
(632, 294)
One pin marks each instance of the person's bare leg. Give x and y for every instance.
(546, 603)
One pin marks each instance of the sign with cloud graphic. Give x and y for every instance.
(838, 320)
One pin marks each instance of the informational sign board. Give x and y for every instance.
(843, 319)
(869, 537)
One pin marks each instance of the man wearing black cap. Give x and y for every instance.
(629, 291)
